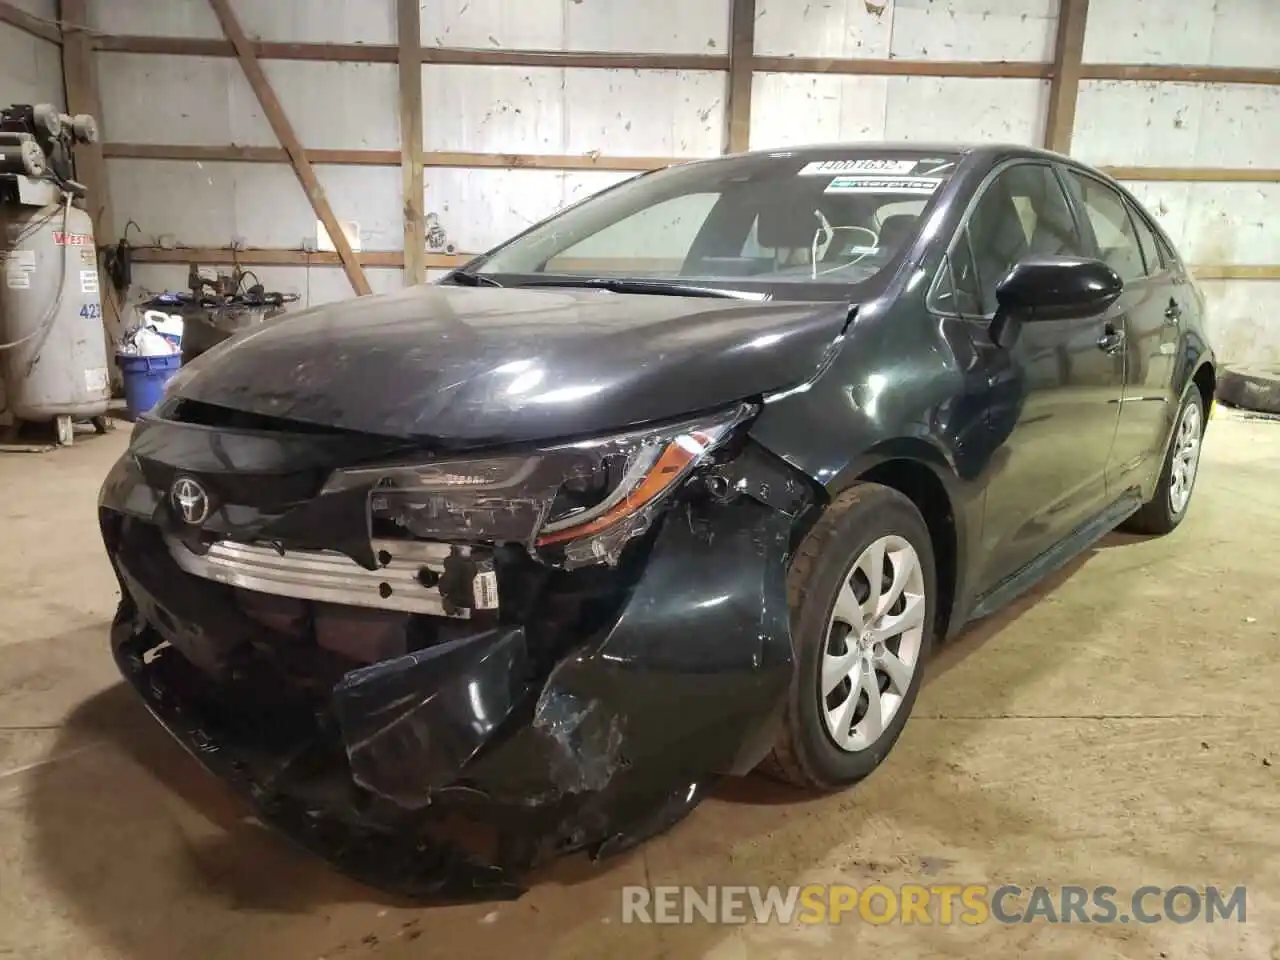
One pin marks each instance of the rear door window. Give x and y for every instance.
(964, 274)
(1147, 241)
(1113, 228)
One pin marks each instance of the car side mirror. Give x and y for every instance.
(1042, 287)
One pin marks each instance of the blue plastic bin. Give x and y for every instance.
(144, 380)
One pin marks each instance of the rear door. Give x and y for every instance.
(1054, 391)
(1151, 309)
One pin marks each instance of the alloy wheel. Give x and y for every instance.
(1186, 458)
(873, 643)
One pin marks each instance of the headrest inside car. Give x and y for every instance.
(788, 220)
(896, 230)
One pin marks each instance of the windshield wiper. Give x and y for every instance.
(460, 279)
(658, 287)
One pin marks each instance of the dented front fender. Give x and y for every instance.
(704, 637)
(687, 682)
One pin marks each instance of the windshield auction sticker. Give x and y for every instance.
(881, 184)
(861, 165)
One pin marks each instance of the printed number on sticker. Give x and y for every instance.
(861, 165)
(91, 311)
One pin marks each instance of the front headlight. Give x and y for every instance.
(587, 499)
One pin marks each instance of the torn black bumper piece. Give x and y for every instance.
(452, 770)
(412, 723)
(413, 865)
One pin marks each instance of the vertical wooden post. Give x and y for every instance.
(409, 18)
(742, 41)
(289, 140)
(80, 78)
(1065, 85)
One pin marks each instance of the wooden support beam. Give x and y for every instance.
(80, 79)
(1197, 174)
(275, 257)
(237, 154)
(29, 23)
(581, 60)
(1179, 74)
(265, 50)
(584, 161)
(386, 158)
(1237, 271)
(390, 53)
(409, 19)
(250, 257)
(903, 68)
(549, 161)
(81, 82)
(289, 140)
(742, 43)
(1064, 88)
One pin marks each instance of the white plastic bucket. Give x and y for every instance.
(169, 326)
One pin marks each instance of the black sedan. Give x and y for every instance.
(681, 482)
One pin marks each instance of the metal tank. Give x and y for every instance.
(52, 340)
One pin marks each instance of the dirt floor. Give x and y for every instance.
(1118, 727)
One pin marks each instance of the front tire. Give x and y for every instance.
(862, 592)
(1165, 510)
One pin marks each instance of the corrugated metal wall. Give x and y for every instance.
(204, 100)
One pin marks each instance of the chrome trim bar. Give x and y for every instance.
(330, 577)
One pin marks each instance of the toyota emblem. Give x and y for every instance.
(190, 500)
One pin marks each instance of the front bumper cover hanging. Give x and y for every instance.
(451, 771)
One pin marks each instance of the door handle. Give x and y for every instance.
(1112, 340)
(1173, 312)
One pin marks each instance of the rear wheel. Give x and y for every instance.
(862, 591)
(1165, 510)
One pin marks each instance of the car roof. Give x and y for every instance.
(992, 151)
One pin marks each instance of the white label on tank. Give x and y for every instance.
(19, 265)
(95, 380)
(88, 281)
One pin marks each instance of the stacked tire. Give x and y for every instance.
(1253, 387)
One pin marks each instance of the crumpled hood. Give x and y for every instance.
(472, 366)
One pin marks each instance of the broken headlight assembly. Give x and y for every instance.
(582, 501)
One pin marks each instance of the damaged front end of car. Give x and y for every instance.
(438, 671)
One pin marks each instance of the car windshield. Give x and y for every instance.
(757, 222)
